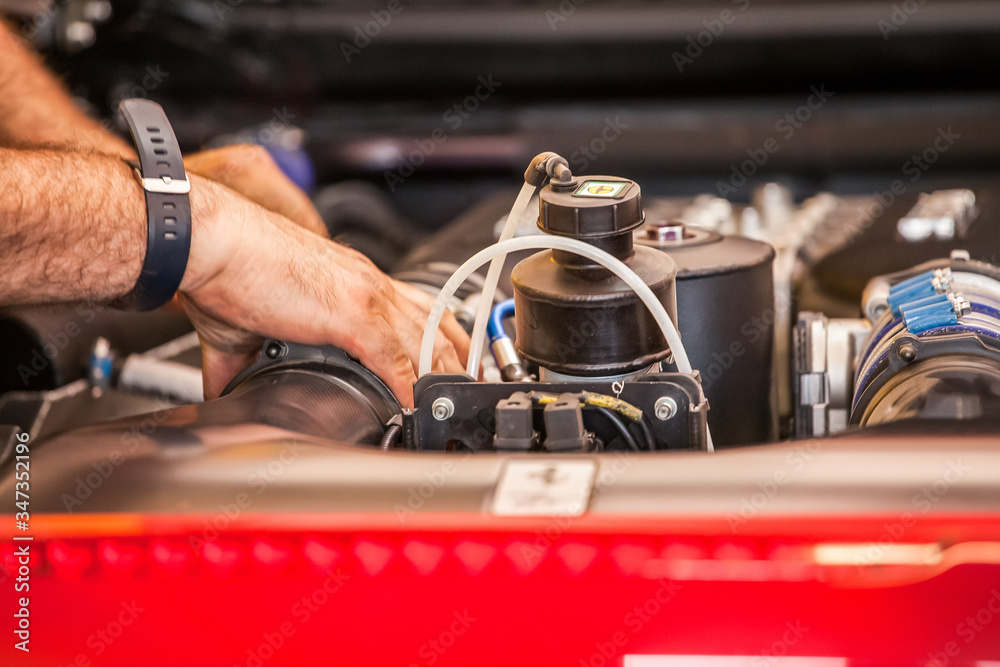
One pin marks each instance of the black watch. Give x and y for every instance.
(160, 171)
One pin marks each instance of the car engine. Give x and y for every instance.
(734, 383)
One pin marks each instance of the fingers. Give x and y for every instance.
(225, 350)
(451, 344)
(445, 356)
(281, 281)
(389, 341)
(377, 346)
(457, 336)
(218, 368)
(250, 171)
(410, 333)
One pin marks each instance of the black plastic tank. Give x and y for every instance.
(726, 315)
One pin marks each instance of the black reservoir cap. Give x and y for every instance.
(592, 207)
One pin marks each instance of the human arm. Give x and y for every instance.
(73, 227)
(36, 110)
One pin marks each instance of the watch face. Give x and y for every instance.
(601, 189)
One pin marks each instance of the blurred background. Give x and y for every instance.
(369, 89)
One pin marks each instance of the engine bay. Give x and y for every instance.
(732, 279)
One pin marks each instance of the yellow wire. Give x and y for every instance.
(599, 401)
(613, 403)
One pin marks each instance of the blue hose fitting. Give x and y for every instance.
(501, 346)
(918, 288)
(500, 312)
(929, 317)
(938, 311)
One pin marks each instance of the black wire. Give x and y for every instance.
(647, 434)
(619, 426)
(388, 440)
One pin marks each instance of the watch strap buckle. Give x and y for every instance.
(164, 184)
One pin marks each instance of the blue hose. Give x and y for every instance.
(500, 312)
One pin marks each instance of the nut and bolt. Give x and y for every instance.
(665, 232)
(960, 305)
(275, 350)
(442, 409)
(907, 352)
(665, 408)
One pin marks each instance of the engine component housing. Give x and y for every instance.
(726, 315)
(577, 319)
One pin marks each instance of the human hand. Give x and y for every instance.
(254, 273)
(250, 171)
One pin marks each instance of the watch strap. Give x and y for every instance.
(168, 209)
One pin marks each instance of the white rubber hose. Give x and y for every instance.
(608, 261)
(493, 279)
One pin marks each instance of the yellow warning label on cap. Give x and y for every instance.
(603, 189)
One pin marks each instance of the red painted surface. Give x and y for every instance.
(475, 590)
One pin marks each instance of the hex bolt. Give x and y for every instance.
(442, 409)
(665, 408)
(275, 350)
(907, 352)
(665, 232)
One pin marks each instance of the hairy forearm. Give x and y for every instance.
(35, 110)
(72, 227)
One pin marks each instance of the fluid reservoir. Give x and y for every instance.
(726, 315)
(576, 319)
